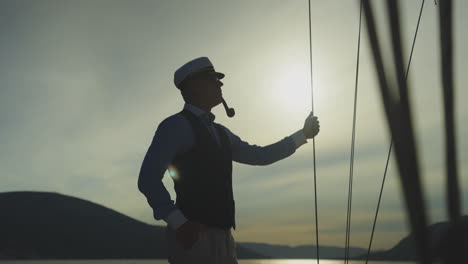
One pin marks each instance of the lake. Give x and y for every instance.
(162, 261)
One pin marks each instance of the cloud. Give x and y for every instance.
(85, 84)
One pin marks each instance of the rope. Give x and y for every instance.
(353, 139)
(398, 115)
(455, 248)
(453, 193)
(313, 139)
(391, 141)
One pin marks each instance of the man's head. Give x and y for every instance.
(199, 83)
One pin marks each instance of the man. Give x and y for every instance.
(198, 154)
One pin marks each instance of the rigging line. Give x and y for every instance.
(353, 139)
(454, 246)
(391, 141)
(313, 140)
(310, 53)
(453, 193)
(405, 142)
(399, 120)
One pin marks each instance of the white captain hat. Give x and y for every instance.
(195, 67)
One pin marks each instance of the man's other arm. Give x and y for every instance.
(166, 143)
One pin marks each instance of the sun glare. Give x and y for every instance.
(173, 172)
(291, 89)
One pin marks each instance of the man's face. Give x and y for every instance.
(208, 89)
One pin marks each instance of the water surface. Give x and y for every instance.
(163, 261)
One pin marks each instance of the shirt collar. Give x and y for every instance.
(200, 113)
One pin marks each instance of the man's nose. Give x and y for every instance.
(220, 83)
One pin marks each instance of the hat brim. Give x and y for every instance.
(218, 75)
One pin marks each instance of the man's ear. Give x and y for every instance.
(187, 92)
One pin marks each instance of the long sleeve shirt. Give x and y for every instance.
(174, 136)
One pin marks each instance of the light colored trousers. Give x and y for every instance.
(214, 246)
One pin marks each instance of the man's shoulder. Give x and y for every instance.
(224, 129)
(175, 120)
(220, 126)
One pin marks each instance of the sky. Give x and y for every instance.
(84, 85)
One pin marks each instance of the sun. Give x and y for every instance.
(291, 89)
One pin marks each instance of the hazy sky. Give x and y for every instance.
(84, 85)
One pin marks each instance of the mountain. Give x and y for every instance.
(40, 225)
(438, 233)
(302, 252)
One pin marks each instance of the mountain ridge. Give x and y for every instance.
(438, 233)
(50, 225)
(46, 225)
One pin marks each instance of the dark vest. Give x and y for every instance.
(203, 177)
